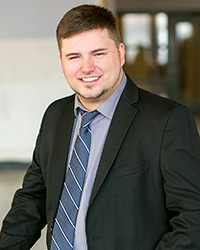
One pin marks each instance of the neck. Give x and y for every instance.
(89, 105)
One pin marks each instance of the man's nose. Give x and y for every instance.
(87, 65)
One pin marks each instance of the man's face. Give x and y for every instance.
(92, 65)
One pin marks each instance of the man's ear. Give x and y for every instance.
(122, 53)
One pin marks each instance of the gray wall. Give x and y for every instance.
(33, 18)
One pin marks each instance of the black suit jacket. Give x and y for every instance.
(146, 193)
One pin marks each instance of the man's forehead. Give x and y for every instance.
(93, 40)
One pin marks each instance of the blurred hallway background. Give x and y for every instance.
(162, 40)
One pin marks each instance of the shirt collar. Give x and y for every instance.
(107, 108)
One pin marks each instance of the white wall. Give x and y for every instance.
(30, 78)
(30, 72)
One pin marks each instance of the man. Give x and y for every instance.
(142, 184)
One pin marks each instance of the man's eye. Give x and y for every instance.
(73, 57)
(99, 54)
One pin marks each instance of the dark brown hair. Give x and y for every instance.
(87, 17)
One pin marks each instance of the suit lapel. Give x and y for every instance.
(122, 119)
(61, 153)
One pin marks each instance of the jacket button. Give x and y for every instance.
(94, 238)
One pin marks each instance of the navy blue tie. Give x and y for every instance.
(65, 222)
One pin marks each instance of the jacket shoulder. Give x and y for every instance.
(60, 103)
(58, 107)
(56, 110)
(155, 102)
(145, 99)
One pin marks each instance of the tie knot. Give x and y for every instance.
(87, 117)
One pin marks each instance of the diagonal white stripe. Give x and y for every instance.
(75, 178)
(55, 243)
(79, 160)
(84, 144)
(67, 215)
(63, 233)
(85, 125)
(71, 196)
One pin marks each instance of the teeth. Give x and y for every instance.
(90, 79)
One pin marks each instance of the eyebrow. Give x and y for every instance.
(100, 49)
(93, 51)
(72, 54)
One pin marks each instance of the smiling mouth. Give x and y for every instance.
(90, 79)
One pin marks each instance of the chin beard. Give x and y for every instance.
(95, 97)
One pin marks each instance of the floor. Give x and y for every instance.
(10, 180)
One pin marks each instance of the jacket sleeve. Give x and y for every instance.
(180, 167)
(26, 218)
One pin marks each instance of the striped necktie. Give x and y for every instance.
(65, 222)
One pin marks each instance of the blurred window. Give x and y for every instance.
(137, 33)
